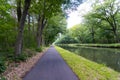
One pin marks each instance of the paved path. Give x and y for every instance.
(51, 67)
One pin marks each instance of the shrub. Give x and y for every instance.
(3, 78)
(21, 57)
(13, 57)
(39, 49)
(2, 66)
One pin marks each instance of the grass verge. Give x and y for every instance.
(87, 70)
(115, 45)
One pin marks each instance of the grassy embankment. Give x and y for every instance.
(87, 70)
(115, 45)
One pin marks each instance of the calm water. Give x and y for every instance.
(106, 56)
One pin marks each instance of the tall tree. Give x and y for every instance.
(45, 11)
(19, 12)
(108, 12)
(18, 45)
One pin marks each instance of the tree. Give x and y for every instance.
(80, 32)
(18, 45)
(66, 39)
(45, 11)
(19, 12)
(108, 11)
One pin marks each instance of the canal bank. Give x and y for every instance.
(87, 70)
(114, 45)
(109, 57)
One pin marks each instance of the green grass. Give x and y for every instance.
(114, 45)
(86, 69)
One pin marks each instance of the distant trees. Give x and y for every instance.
(79, 32)
(56, 24)
(101, 25)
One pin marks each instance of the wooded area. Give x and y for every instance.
(100, 25)
(31, 23)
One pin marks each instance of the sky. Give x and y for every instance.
(75, 17)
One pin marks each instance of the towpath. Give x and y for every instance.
(51, 66)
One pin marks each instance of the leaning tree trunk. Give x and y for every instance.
(18, 45)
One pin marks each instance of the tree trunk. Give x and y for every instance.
(29, 31)
(41, 25)
(93, 34)
(116, 36)
(39, 36)
(18, 45)
(38, 32)
(113, 25)
(115, 29)
(29, 23)
(19, 10)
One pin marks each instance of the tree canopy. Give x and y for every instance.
(32, 23)
(100, 25)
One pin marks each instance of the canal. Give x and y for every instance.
(106, 56)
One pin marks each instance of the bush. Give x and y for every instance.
(3, 78)
(39, 49)
(13, 57)
(2, 66)
(21, 57)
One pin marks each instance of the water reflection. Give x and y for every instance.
(106, 56)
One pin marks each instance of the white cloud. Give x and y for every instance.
(76, 16)
(73, 19)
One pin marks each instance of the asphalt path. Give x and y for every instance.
(51, 67)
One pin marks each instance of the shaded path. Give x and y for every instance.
(51, 67)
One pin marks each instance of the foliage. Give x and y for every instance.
(56, 25)
(7, 26)
(67, 39)
(39, 49)
(100, 25)
(80, 32)
(85, 69)
(2, 66)
(104, 17)
(3, 78)
(20, 58)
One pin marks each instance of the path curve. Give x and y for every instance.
(51, 67)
